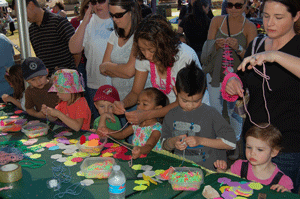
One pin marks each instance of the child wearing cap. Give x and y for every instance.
(35, 73)
(103, 101)
(73, 109)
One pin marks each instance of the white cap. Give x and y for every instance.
(116, 167)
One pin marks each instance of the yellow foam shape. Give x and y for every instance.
(93, 143)
(70, 158)
(240, 197)
(80, 154)
(137, 167)
(70, 163)
(23, 140)
(222, 189)
(140, 188)
(142, 182)
(3, 117)
(147, 178)
(79, 173)
(107, 154)
(158, 172)
(35, 156)
(115, 145)
(44, 144)
(73, 141)
(255, 185)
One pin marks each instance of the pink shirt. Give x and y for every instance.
(79, 109)
(284, 181)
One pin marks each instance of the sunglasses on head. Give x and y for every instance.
(94, 2)
(118, 15)
(236, 5)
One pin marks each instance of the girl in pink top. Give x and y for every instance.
(73, 109)
(262, 144)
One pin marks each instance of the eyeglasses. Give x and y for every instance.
(94, 2)
(236, 5)
(118, 15)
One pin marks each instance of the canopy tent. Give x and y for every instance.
(3, 3)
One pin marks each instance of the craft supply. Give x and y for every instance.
(35, 130)
(95, 149)
(10, 173)
(6, 188)
(209, 192)
(34, 164)
(9, 157)
(97, 167)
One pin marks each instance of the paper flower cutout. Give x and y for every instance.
(70, 163)
(77, 159)
(53, 148)
(94, 137)
(140, 188)
(35, 156)
(255, 185)
(18, 111)
(107, 154)
(136, 167)
(82, 139)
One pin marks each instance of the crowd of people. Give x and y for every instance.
(120, 68)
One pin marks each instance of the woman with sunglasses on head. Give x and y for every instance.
(231, 34)
(278, 101)
(92, 36)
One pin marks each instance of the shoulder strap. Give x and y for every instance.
(228, 26)
(277, 178)
(244, 170)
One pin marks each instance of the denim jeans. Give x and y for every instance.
(216, 101)
(289, 164)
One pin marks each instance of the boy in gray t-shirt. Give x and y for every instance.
(195, 129)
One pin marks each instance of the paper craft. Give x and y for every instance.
(68, 133)
(30, 142)
(209, 192)
(158, 172)
(136, 167)
(224, 188)
(14, 117)
(61, 146)
(87, 182)
(3, 117)
(148, 178)
(77, 159)
(14, 128)
(40, 150)
(81, 154)
(108, 145)
(146, 168)
(2, 134)
(18, 111)
(28, 154)
(82, 139)
(50, 145)
(53, 148)
(140, 188)
(68, 151)
(79, 173)
(149, 173)
(73, 141)
(61, 159)
(63, 140)
(107, 154)
(69, 163)
(94, 137)
(142, 182)
(93, 143)
(255, 185)
(35, 156)
(56, 156)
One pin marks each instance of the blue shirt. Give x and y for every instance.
(6, 61)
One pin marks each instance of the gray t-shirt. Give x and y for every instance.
(204, 121)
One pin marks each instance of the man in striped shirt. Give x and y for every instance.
(49, 35)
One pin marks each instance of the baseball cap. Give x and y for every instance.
(33, 67)
(107, 93)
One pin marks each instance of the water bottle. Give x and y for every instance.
(116, 182)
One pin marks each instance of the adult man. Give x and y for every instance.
(7, 60)
(49, 35)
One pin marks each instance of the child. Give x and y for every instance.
(15, 79)
(195, 130)
(103, 100)
(35, 73)
(73, 109)
(262, 144)
(147, 134)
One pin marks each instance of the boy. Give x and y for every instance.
(195, 130)
(35, 73)
(103, 101)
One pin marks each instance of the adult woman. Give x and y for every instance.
(92, 36)
(159, 53)
(279, 56)
(83, 8)
(195, 25)
(236, 32)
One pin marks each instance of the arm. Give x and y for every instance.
(125, 71)
(193, 141)
(76, 41)
(212, 32)
(34, 113)
(6, 98)
(118, 135)
(150, 144)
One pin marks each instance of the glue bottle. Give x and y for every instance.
(117, 183)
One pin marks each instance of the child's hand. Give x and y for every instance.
(119, 108)
(136, 152)
(6, 98)
(220, 165)
(102, 131)
(52, 112)
(44, 109)
(180, 143)
(108, 117)
(279, 188)
(192, 141)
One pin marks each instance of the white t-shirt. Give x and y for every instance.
(22, 101)
(185, 55)
(95, 40)
(120, 55)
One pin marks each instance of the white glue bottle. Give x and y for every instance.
(117, 183)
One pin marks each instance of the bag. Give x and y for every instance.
(239, 106)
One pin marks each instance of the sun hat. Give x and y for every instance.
(107, 93)
(33, 67)
(67, 81)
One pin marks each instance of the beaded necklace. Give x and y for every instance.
(168, 81)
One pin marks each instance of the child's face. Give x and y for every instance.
(65, 97)
(104, 107)
(145, 102)
(258, 152)
(147, 49)
(189, 103)
(38, 82)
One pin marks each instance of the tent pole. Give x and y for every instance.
(23, 29)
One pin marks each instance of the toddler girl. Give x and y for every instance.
(146, 135)
(73, 109)
(262, 144)
(15, 79)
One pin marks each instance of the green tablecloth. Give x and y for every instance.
(34, 181)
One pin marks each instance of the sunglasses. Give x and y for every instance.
(94, 2)
(118, 15)
(236, 5)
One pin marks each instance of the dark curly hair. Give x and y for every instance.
(157, 30)
(14, 77)
(134, 8)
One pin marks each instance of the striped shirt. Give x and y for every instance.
(50, 41)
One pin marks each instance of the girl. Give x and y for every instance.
(73, 109)
(160, 55)
(147, 134)
(15, 79)
(261, 146)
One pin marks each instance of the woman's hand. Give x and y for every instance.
(6, 98)
(220, 165)
(88, 14)
(258, 59)
(136, 117)
(232, 43)
(119, 108)
(234, 87)
(220, 43)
